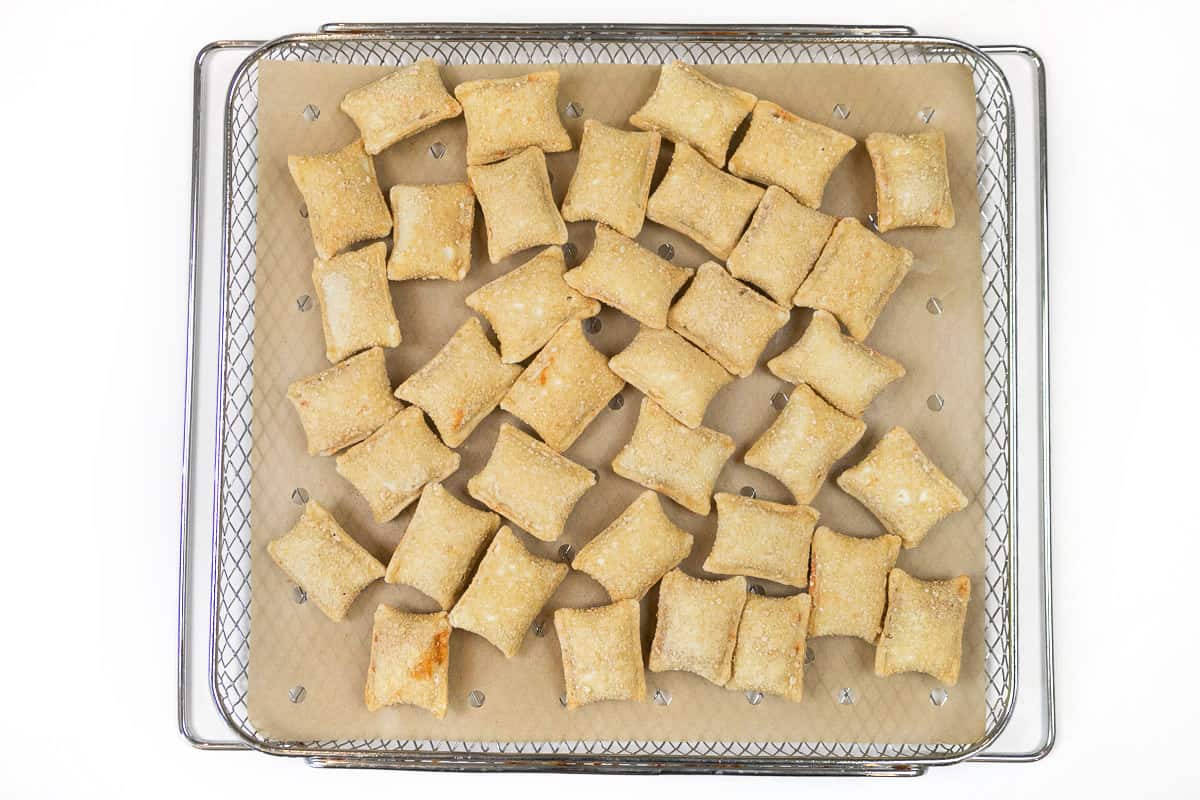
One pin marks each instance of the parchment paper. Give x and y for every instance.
(294, 644)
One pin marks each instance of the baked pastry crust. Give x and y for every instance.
(762, 539)
(848, 583)
(506, 115)
(356, 304)
(345, 403)
(399, 105)
(518, 205)
(601, 653)
(923, 629)
(680, 378)
(345, 205)
(410, 661)
(772, 644)
(611, 183)
(912, 180)
(697, 625)
(431, 232)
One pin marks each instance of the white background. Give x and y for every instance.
(92, 282)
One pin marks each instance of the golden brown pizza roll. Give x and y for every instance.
(518, 206)
(671, 372)
(923, 629)
(697, 625)
(912, 180)
(612, 179)
(771, 646)
(345, 403)
(762, 539)
(431, 235)
(506, 115)
(410, 661)
(848, 583)
(341, 193)
(601, 653)
(356, 304)
(399, 105)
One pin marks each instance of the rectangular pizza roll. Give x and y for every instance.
(518, 205)
(400, 104)
(762, 539)
(431, 236)
(848, 581)
(601, 653)
(356, 304)
(410, 661)
(344, 202)
(671, 372)
(697, 625)
(345, 403)
(923, 629)
(612, 179)
(912, 180)
(506, 115)
(772, 643)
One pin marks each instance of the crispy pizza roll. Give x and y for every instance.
(671, 372)
(518, 206)
(667, 456)
(506, 115)
(345, 403)
(563, 389)
(342, 195)
(356, 304)
(843, 370)
(621, 273)
(772, 643)
(530, 483)
(635, 550)
(726, 319)
(794, 153)
(762, 539)
(612, 179)
(697, 625)
(460, 385)
(912, 180)
(525, 306)
(854, 277)
(391, 466)
(410, 661)
(902, 487)
(781, 245)
(400, 104)
(507, 593)
(325, 561)
(923, 629)
(601, 653)
(441, 545)
(848, 581)
(431, 236)
(687, 107)
(703, 203)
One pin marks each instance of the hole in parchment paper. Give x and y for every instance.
(939, 696)
(666, 250)
(662, 697)
(871, 222)
(574, 110)
(569, 253)
(934, 306)
(299, 595)
(476, 698)
(748, 491)
(437, 149)
(925, 114)
(311, 113)
(846, 697)
(809, 655)
(754, 698)
(935, 402)
(299, 496)
(565, 553)
(562, 700)
(778, 401)
(592, 324)
(539, 627)
(617, 403)
(304, 302)
(841, 111)
(297, 694)
(756, 589)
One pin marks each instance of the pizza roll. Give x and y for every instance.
(687, 107)
(506, 115)
(912, 180)
(762, 539)
(518, 207)
(923, 629)
(803, 442)
(621, 273)
(563, 389)
(525, 306)
(601, 653)
(697, 625)
(530, 483)
(671, 372)
(440, 546)
(460, 385)
(781, 245)
(400, 104)
(635, 550)
(431, 237)
(843, 370)
(703, 203)
(391, 466)
(410, 661)
(325, 561)
(794, 153)
(342, 195)
(508, 591)
(356, 304)
(726, 319)
(612, 179)
(772, 643)
(848, 583)
(854, 277)
(902, 487)
(345, 403)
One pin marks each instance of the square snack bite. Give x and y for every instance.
(391, 466)
(507, 593)
(530, 483)
(563, 389)
(667, 456)
(688, 107)
(854, 277)
(507, 115)
(679, 377)
(460, 385)
(612, 179)
(635, 550)
(525, 306)
(345, 205)
(902, 487)
(345, 403)
(771, 646)
(697, 625)
(518, 205)
(843, 370)
(621, 273)
(441, 545)
(848, 583)
(601, 653)
(356, 304)
(803, 442)
(912, 180)
(400, 104)
(785, 150)
(923, 629)
(432, 231)
(410, 661)
(325, 561)
(762, 539)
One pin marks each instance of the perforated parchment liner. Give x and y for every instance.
(294, 644)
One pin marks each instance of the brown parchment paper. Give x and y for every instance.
(294, 644)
